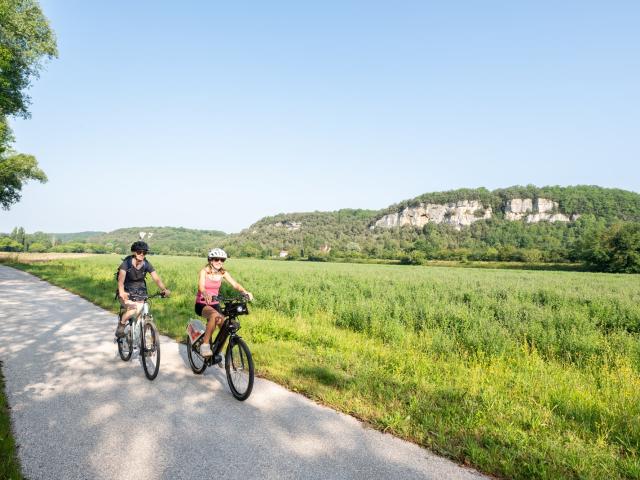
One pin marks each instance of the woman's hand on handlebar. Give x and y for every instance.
(165, 293)
(248, 295)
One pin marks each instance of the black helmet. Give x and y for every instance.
(140, 245)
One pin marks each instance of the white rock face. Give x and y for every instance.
(465, 212)
(457, 214)
(533, 211)
(543, 205)
(516, 208)
(289, 225)
(519, 205)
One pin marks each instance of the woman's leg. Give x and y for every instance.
(214, 319)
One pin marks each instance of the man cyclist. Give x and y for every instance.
(132, 284)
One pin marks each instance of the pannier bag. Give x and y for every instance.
(195, 330)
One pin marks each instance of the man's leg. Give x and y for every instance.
(127, 310)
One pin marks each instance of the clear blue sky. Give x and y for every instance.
(212, 115)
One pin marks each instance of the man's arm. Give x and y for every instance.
(158, 280)
(121, 276)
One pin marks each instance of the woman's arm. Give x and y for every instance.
(227, 276)
(201, 288)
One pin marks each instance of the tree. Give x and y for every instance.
(617, 249)
(15, 171)
(8, 244)
(26, 40)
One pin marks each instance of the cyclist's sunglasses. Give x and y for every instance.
(141, 252)
(217, 260)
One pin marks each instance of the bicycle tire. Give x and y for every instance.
(150, 351)
(125, 344)
(194, 358)
(238, 364)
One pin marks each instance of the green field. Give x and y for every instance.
(521, 374)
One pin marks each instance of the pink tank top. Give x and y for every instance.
(212, 287)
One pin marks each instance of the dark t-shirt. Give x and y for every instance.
(134, 280)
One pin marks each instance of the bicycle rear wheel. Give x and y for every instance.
(239, 366)
(150, 350)
(196, 361)
(125, 344)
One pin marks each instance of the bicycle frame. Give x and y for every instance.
(137, 322)
(229, 328)
(238, 362)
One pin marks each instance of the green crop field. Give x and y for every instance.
(521, 374)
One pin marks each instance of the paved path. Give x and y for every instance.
(79, 412)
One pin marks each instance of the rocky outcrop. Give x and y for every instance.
(465, 212)
(289, 225)
(458, 214)
(536, 210)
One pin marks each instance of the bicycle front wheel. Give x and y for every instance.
(150, 350)
(239, 366)
(125, 344)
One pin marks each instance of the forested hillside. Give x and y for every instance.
(600, 218)
(597, 226)
(604, 203)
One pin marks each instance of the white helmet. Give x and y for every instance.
(216, 253)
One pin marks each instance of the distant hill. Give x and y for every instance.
(526, 223)
(162, 240)
(518, 223)
(73, 237)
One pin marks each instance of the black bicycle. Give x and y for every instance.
(141, 334)
(238, 361)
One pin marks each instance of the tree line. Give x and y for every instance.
(606, 236)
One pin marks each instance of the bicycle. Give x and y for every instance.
(238, 362)
(141, 334)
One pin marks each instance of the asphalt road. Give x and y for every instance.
(79, 412)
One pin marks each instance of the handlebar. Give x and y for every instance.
(220, 298)
(144, 297)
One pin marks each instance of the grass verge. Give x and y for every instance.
(9, 464)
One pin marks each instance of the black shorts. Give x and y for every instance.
(200, 306)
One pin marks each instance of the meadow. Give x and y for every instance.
(521, 374)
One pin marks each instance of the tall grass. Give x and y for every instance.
(521, 374)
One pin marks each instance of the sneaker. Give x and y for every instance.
(205, 350)
(120, 330)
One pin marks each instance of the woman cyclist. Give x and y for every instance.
(131, 283)
(209, 281)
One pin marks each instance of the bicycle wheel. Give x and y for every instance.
(239, 366)
(197, 363)
(150, 350)
(125, 344)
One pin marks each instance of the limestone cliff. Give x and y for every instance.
(465, 212)
(458, 214)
